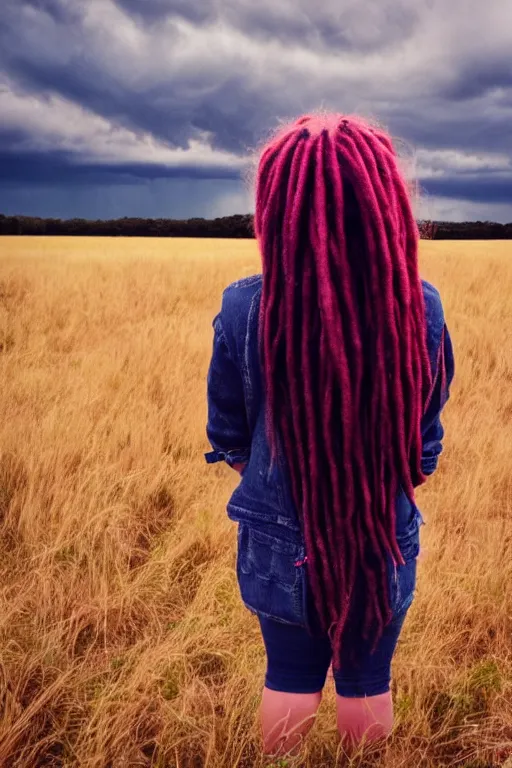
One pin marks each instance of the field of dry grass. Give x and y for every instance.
(123, 641)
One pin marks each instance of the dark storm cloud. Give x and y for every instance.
(222, 71)
(477, 78)
(326, 25)
(60, 12)
(73, 72)
(172, 109)
(150, 11)
(55, 168)
(479, 189)
(466, 129)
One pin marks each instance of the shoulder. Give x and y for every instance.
(433, 304)
(240, 302)
(238, 297)
(431, 294)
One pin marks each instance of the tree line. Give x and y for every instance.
(240, 226)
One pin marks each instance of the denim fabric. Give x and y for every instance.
(271, 570)
(298, 661)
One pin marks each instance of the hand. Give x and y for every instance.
(239, 468)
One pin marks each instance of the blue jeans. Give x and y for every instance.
(298, 660)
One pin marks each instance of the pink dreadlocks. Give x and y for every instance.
(343, 344)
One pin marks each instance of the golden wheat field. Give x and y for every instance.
(123, 641)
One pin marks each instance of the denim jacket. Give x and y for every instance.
(271, 556)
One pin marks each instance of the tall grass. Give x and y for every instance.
(123, 641)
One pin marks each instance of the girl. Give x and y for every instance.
(328, 377)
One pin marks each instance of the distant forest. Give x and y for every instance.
(229, 227)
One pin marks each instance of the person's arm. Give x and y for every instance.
(227, 429)
(431, 426)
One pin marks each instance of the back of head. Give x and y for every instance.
(344, 352)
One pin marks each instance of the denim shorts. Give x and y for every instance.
(298, 659)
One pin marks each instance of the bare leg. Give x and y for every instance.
(369, 719)
(286, 718)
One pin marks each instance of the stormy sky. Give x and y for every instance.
(156, 107)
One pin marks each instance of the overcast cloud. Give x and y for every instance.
(154, 107)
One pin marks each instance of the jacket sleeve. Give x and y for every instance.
(227, 429)
(432, 428)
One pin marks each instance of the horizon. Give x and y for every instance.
(228, 216)
(117, 108)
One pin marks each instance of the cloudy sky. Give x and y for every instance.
(155, 107)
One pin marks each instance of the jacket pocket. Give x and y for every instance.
(402, 586)
(408, 538)
(402, 578)
(271, 575)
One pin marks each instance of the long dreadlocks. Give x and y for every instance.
(343, 346)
